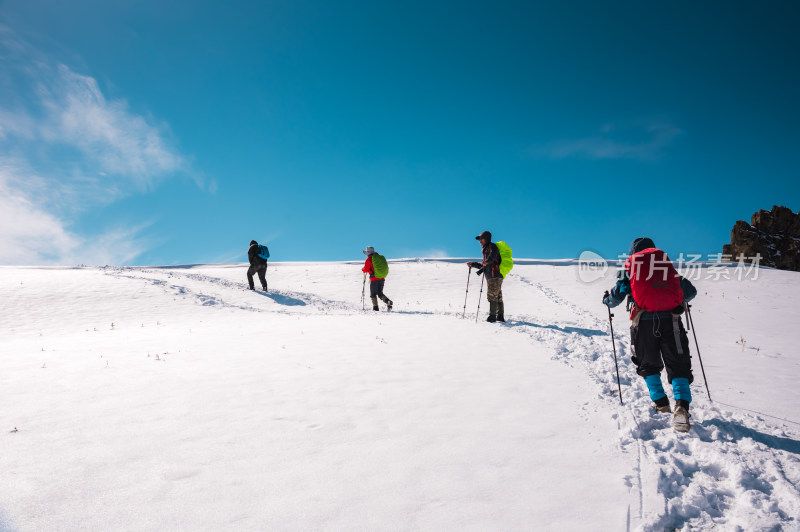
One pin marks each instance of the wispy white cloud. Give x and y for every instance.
(28, 233)
(642, 142)
(32, 233)
(106, 133)
(432, 253)
(65, 148)
(117, 245)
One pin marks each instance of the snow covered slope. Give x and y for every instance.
(171, 398)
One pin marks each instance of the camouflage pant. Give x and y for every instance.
(494, 290)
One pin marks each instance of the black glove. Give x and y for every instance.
(605, 295)
(480, 271)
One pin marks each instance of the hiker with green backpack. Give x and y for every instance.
(496, 264)
(377, 268)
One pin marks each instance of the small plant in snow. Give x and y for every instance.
(741, 341)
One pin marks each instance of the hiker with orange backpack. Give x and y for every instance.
(656, 297)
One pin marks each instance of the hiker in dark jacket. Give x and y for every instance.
(490, 268)
(257, 265)
(658, 339)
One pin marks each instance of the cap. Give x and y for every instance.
(485, 235)
(369, 251)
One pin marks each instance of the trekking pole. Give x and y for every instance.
(469, 271)
(363, 284)
(614, 345)
(697, 346)
(479, 301)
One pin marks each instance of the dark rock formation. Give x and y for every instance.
(774, 234)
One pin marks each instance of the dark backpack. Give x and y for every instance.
(263, 251)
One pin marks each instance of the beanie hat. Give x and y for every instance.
(640, 244)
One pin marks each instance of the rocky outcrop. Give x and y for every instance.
(775, 235)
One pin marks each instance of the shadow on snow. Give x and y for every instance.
(737, 432)
(282, 299)
(568, 330)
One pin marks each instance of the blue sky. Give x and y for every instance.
(175, 132)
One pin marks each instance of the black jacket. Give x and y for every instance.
(491, 261)
(252, 254)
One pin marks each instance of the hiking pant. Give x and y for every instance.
(655, 345)
(494, 290)
(376, 291)
(261, 269)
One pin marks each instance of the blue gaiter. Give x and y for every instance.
(680, 389)
(656, 388)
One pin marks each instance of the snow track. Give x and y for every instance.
(209, 290)
(728, 472)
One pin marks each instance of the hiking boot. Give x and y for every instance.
(375, 307)
(500, 311)
(493, 312)
(389, 304)
(662, 405)
(264, 289)
(252, 288)
(681, 418)
(500, 317)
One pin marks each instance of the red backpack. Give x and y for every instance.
(655, 285)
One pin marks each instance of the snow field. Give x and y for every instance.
(209, 407)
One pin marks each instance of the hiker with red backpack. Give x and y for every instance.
(377, 268)
(657, 296)
(258, 256)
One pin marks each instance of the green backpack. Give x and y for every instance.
(506, 261)
(380, 266)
